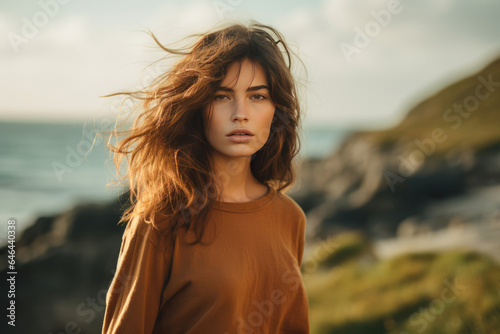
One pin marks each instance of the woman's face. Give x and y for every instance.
(240, 102)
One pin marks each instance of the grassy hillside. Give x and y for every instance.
(351, 292)
(468, 112)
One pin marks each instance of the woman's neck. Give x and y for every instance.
(235, 181)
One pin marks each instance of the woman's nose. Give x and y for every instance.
(240, 111)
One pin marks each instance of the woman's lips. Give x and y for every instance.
(240, 138)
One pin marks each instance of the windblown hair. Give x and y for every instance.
(169, 165)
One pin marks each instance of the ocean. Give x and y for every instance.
(46, 168)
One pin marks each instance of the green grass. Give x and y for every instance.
(451, 292)
(475, 133)
(474, 128)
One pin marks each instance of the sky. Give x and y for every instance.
(368, 62)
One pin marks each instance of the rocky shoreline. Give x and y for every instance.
(423, 175)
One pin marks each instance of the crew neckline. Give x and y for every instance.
(254, 205)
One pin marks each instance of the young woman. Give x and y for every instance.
(213, 244)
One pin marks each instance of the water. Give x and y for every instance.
(321, 141)
(48, 167)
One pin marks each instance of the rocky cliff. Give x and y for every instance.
(439, 167)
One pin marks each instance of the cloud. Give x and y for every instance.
(176, 20)
(421, 49)
(77, 57)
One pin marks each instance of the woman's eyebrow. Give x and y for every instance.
(249, 89)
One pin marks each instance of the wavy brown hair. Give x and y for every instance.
(168, 157)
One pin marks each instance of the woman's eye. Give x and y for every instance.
(259, 97)
(255, 96)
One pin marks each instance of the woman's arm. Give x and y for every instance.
(133, 298)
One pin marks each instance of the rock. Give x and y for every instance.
(64, 266)
(408, 228)
(377, 180)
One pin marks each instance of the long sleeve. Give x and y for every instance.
(133, 298)
(247, 264)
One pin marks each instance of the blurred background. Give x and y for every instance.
(400, 178)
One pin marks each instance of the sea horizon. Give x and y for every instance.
(47, 168)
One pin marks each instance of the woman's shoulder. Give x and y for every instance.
(147, 229)
(288, 204)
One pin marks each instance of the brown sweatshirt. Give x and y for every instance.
(246, 280)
